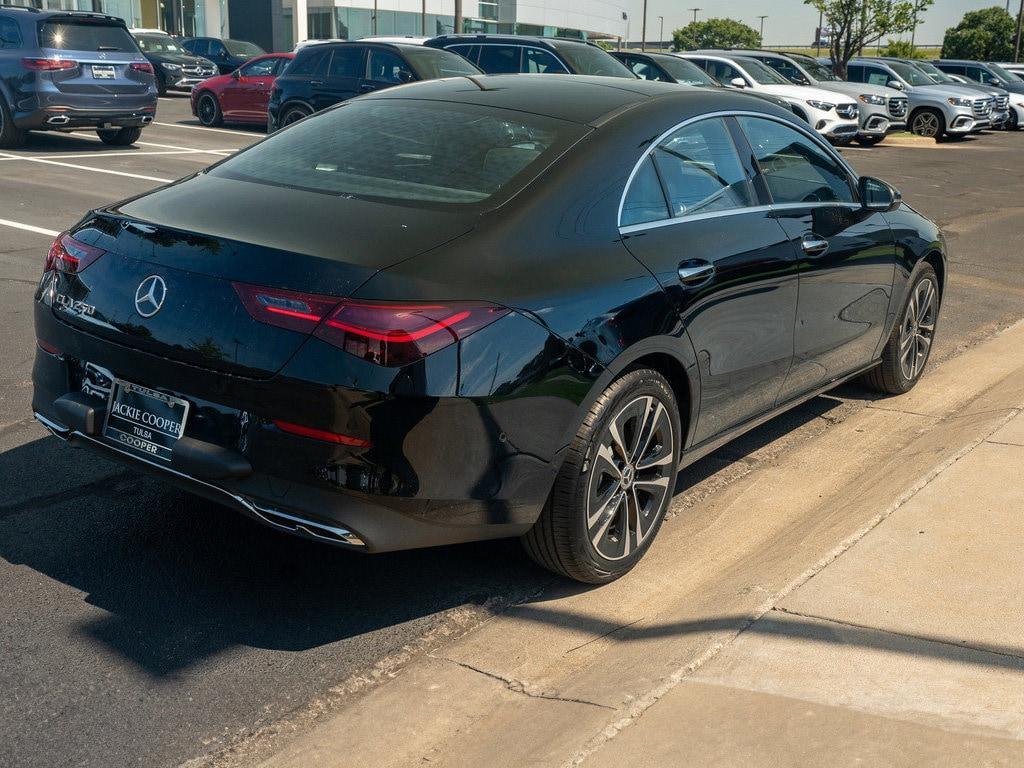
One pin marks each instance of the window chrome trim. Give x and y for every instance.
(809, 133)
(631, 228)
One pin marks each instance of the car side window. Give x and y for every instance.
(645, 200)
(10, 34)
(261, 68)
(978, 75)
(701, 171)
(724, 72)
(644, 71)
(469, 52)
(794, 167)
(538, 61)
(312, 61)
(280, 63)
(197, 47)
(499, 59)
(347, 61)
(217, 49)
(877, 76)
(386, 66)
(787, 70)
(855, 73)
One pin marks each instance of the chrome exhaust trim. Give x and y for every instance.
(147, 120)
(295, 524)
(273, 517)
(58, 120)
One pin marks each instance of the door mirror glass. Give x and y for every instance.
(876, 195)
(237, 74)
(738, 82)
(405, 76)
(895, 84)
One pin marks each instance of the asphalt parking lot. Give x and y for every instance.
(143, 627)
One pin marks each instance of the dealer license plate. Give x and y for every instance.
(144, 421)
(104, 72)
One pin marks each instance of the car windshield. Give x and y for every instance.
(588, 60)
(432, 63)
(411, 152)
(910, 74)
(242, 48)
(762, 73)
(686, 72)
(158, 44)
(936, 74)
(817, 70)
(1001, 73)
(83, 35)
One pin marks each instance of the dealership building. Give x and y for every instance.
(277, 24)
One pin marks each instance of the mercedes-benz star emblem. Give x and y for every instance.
(150, 295)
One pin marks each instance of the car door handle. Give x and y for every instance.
(317, 83)
(814, 246)
(366, 87)
(696, 272)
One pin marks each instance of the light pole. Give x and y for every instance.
(458, 17)
(818, 41)
(1016, 47)
(762, 18)
(643, 29)
(661, 32)
(695, 13)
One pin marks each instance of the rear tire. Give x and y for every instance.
(293, 114)
(910, 344)
(616, 483)
(120, 137)
(927, 122)
(161, 86)
(11, 136)
(208, 110)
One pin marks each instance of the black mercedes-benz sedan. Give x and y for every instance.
(482, 307)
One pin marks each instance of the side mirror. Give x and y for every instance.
(405, 76)
(236, 75)
(738, 82)
(876, 195)
(896, 84)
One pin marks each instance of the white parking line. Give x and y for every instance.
(91, 155)
(88, 168)
(202, 128)
(220, 152)
(28, 228)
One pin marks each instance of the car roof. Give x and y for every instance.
(511, 39)
(584, 99)
(41, 14)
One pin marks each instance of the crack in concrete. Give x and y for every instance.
(965, 645)
(522, 686)
(103, 487)
(640, 705)
(874, 407)
(604, 635)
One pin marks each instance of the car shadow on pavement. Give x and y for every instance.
(182, 579)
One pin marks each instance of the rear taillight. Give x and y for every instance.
(48, 65)
(70, 256)
(321, 434)
(142, 66)
(386, 333)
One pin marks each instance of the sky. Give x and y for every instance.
(789, 22)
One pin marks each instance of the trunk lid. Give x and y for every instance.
(203, 234)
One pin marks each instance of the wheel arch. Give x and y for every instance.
(938, 263)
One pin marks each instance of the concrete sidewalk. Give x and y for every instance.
(906, 650)
(856, 600)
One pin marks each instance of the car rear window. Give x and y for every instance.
(418, 153)
(82, 35)
(588, 59)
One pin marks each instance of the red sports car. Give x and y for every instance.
(240, 97)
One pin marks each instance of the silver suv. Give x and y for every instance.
(881, 109)
(935, 110)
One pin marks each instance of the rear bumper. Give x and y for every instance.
(442, 470)
(57, 113)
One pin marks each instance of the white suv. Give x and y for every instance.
(831, 114)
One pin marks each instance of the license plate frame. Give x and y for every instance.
(103, 72)
(143, 421)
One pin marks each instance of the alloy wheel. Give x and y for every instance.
(207, 110)
(918, 329)
(631, 475)
(293, 116)
(926, 124)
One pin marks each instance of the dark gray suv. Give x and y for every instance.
(63, 71)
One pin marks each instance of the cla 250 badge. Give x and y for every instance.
(73, 305)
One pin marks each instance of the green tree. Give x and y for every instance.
(715, 33)
(985, 35)
(857, 24)
(902, 49)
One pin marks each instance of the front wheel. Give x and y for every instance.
(910, 344)
(208, 111)
(611, 494)
(120, 137)
(928, 123)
